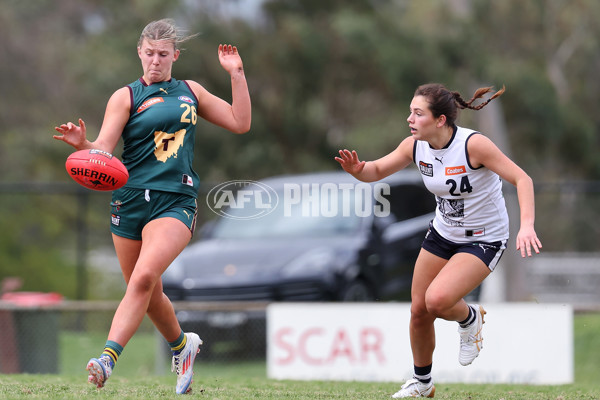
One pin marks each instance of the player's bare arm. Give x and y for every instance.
(371, 171)
(237, 116)
(482, 151)
(115, 118)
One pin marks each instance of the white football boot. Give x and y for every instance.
(415, 388)
(183, 363)
(99, 370)
(471, 340)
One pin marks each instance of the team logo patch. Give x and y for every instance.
(456, 170)
(187, 180)
(475, 232)
(116, 205)
(186, 99)
(115, 219)
(150, 102)
(426, 168)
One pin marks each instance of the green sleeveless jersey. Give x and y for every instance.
(159, 137)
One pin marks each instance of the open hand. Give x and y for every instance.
(528, 240)
(230, 58)
(72, 134)
(350, 162)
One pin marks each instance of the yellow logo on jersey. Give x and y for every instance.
(168, 144)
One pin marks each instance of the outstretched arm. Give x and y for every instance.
(115, 119)
(370, 171)
(237, 116)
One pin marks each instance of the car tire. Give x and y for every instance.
(358, 291)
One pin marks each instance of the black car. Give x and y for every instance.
(312, 237)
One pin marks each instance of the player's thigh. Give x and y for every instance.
(427, 268)
(163, 239)
(461, 274)
(128, 251)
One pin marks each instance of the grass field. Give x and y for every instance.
(134, 378)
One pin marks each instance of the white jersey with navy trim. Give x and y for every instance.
(470, 203)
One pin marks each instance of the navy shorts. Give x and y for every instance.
(132, 209)
(488, 252)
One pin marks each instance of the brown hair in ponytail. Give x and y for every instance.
(444, 102)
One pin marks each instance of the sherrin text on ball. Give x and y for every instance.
(97, 170)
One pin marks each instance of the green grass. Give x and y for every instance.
(587, 348)
(134, 378)
(239, 384)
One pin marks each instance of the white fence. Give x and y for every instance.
(568, 278)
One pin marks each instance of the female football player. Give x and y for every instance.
(462, 168)
(153, 216)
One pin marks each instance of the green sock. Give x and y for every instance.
(178, 344)
(113, 351)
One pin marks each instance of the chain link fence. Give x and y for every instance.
(44, 334)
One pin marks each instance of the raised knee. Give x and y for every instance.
(437, 303)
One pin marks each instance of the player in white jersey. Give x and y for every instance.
(463, 169)
(470, 205)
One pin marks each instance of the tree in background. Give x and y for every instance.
(322, 75)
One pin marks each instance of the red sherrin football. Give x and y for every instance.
(97, 170)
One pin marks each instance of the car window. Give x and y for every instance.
(319, 216)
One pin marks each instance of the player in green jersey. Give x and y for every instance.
(152, 217)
